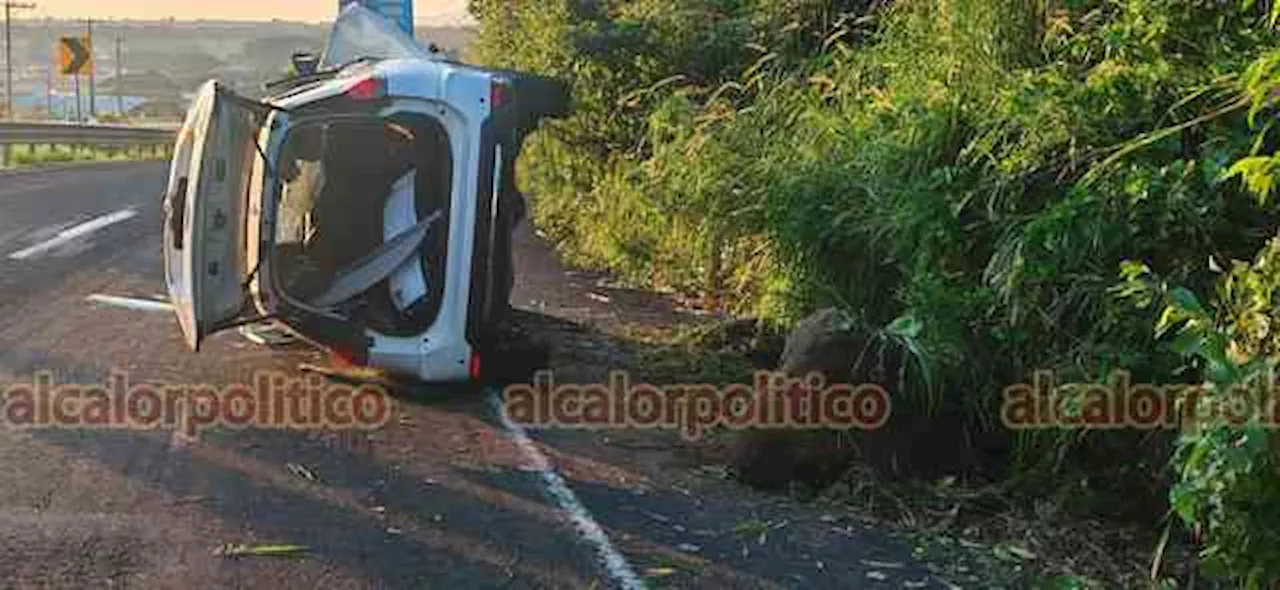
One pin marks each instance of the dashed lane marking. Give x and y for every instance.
(72, 234)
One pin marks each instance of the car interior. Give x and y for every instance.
(349, 187)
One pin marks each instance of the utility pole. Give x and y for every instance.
(9, 7)
(119, 73)
(48, 78)
(79, 115)
(93, 65)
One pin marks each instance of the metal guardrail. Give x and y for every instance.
(109, 136)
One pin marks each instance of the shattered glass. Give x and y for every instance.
(360, 33)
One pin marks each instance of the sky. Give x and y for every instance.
(428, 11)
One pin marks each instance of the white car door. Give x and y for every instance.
(204, 207)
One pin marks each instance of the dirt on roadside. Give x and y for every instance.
(973, 532)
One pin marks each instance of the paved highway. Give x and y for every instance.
(448, 495)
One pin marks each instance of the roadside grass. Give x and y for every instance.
(980, 205)
(25, 156)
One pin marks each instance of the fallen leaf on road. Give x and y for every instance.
(660, 572)
(716, 471)
(189, 500)
(1022, 552)
(751, 528)
(237, 550)
(1013, 553)
(301, 471)
(891, 565)
(348, 375)
(655, 516)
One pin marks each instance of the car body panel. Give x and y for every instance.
(442, 352)
(204, 208)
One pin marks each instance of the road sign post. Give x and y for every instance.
(75, 57)
(119, 74)
(79, 117)
(93, 79)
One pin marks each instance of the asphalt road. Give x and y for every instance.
(446, 496)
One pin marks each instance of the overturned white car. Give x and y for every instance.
(366, 205)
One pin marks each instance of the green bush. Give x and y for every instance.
(977, 168)
(1228, 474)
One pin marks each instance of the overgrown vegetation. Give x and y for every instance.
(1228, 484)
(974, 170)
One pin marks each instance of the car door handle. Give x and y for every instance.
(175, 208)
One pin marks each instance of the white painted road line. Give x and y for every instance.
(147, 305)
(614, 563)
(71, 234)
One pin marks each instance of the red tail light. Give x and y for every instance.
(348, 358)
(368, 89)
(499, 93)
(475, 366)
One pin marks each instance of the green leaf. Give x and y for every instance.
(1259, 174)
(1188, 343)
(239, 550)
(1168, 318)
(1186, 301)
(1131, 270)
(1183, 503)
(905, 327)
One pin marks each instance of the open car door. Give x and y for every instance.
(205, 204)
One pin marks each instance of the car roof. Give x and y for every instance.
(405, 78)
